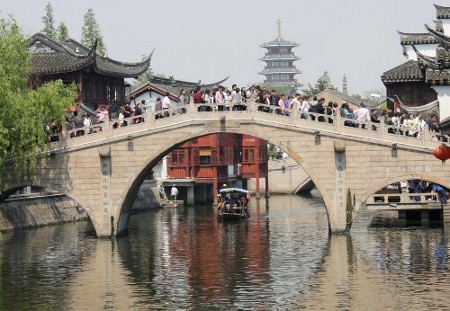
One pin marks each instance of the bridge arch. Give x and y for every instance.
(132, 186)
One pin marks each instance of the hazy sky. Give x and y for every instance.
(209, 40)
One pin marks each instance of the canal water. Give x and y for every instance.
(282, 258)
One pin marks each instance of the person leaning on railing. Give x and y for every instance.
(166, 105)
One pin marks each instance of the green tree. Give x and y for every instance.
(49, 22)
(280, 88)
(322, 84)
(91, 33)
(24, 112)
(272, 151)
(62, 32)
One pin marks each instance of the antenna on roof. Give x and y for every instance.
(279, 28)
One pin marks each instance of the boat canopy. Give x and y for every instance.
(236, 190)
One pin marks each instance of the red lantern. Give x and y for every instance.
(442, 152)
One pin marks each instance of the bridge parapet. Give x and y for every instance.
(254, 112)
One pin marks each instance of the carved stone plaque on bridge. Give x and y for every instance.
(105, 163)
(340, 197)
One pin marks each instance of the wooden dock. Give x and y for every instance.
(426, 205)
(403, 201)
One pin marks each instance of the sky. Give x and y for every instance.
(209, 40)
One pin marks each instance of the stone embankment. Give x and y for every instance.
(25, 212)
(36, 210)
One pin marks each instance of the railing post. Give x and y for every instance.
(426, 135)
(295, 113)
(65, 135)
(150, 117)
(382, 128)
(191, 106)
(337, 121)
(252, 107)
(107, 125)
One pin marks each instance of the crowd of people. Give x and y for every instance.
(398, 122)
(222, 99)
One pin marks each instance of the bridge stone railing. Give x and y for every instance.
(319, 124)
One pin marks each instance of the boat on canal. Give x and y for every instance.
(233, 204)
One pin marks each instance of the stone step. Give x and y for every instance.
(446, 213)
(170, 203)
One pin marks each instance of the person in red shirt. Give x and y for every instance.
(198, 99)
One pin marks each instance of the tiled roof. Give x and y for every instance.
(440, 37)
(275, 57)
(52, 57)
(279, 42)
(173, 94)
(345, 98)
(269, 71)
(425, 61)
(416, 38)
(437, 76)
(52, 63)
(409, 71)
(442, 12)
(179, 84)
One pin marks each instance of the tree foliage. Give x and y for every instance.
(62, 33)
(24, 112)
(280, 88)
(91, 33)
(272, 151)
(322, 84)
(49, 22)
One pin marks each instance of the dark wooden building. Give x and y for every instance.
(100, 80)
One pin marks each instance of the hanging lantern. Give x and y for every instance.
(442, 152)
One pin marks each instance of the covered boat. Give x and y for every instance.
(233, 204)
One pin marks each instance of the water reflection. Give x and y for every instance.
(282, 258)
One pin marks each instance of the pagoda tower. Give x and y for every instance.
(280, 70)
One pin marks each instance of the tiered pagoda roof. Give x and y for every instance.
(283, 70)
(416, 38)
(427, 68)
(442, 12)
(279, 42)
(53, 57)
(279, 57)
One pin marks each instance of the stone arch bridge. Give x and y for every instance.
(104, 170)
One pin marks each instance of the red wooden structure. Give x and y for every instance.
(220, 158)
